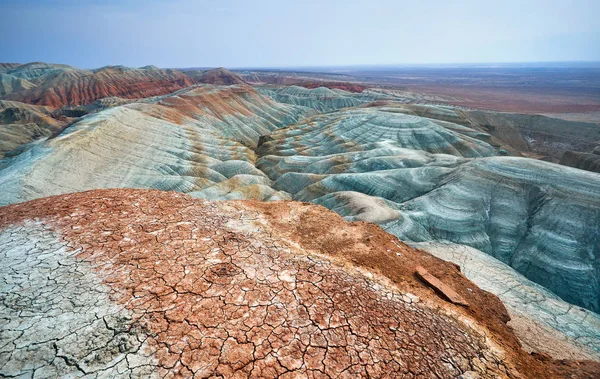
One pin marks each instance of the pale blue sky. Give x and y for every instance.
(270, 33)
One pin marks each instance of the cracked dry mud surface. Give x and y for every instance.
(136, 283)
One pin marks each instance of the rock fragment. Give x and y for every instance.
(440, 287)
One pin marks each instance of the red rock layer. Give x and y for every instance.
(255, 78)
(220, 76)
(217, 102)
(83, 87)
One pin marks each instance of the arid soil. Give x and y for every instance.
(516, 99)
(556, 90)
(251, 289)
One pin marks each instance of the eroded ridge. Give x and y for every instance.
(203, 289)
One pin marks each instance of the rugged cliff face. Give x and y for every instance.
(150, 283)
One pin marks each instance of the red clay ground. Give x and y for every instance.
(282, 289)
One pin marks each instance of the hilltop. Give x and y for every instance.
(157, 283)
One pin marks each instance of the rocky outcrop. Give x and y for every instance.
(13, 112)
(146, 283)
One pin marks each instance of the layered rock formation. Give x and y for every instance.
(432, 175)
(529, 135)
(345, 86)
(125, 283)
(9, 83)
(538, 135)
(582, 160)
(58, 85)
(8, 66)
(537, 217)
(37, 72)
(217, 76)
(410, 175)
(187, 141)
(22, 123)
(321, 99)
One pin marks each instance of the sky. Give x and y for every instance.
(290, 33)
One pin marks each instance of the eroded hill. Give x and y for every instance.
(148, 283)
(58, 85)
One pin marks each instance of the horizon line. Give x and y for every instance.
(490, 64)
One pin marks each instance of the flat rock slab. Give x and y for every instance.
(440, 287)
